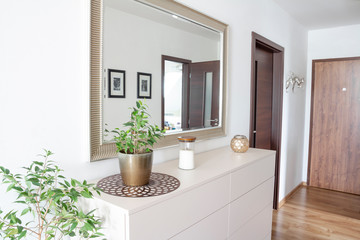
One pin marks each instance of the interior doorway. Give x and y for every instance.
(175, 88)
(267, 70)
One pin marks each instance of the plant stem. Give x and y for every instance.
(8, 223)
(40, 217)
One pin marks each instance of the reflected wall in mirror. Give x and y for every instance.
(183, 50)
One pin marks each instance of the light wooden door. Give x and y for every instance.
(335, 125)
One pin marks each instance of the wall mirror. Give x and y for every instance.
(160, 52)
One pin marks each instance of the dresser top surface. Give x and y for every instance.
(208, 166)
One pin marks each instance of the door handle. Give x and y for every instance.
(214, 120)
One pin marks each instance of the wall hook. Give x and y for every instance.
(294, 80)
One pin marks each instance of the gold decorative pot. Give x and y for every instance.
(135, 169)
(239, 143)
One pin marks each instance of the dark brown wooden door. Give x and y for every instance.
(198, 75)
(335, 125)
(263, 98)
(265, 53)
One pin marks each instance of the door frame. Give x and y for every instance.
(313, 79)
(277, 101)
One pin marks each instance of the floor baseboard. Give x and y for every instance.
(282, 202)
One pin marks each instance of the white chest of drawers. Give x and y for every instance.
(227, 196)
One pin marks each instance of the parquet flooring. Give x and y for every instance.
(318, 214)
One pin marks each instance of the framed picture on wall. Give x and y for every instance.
(144, 85)
(116, 84)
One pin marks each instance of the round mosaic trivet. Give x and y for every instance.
(159, 184)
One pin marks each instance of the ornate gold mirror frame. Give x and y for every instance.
(100, 150)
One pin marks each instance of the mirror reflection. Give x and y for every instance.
(191, 94)
(172, 62)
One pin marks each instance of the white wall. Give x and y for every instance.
(339, 42)
(44, 86)
(269, 20)
(148, 40)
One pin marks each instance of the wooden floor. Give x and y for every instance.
(314, 213)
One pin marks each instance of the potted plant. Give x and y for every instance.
(49, 201)
(134, 146)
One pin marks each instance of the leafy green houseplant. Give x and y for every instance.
(134, 146)
(47, 203)
(140, 136)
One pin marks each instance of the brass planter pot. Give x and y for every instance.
(135, 169)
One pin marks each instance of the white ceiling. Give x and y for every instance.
(317, 14)
(159, 16)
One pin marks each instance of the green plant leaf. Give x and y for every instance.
(22, 234)
(25, 211)
(88, 226)
(73, 182)
(38, 163)
(129, 124)
(86, 194)
(34, 181)
(67, 183)
(73, 226)
(28, 184)
(10, 187)
(19, 229)
(11, 232)
(17, 189)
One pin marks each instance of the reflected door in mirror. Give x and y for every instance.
(204, 94)
(190, 94)
(175, 99)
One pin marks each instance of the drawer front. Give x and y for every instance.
(214, 227)
(113, 218)
(247, 178)
(250, 204)
(170, 217)
(257, 228)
